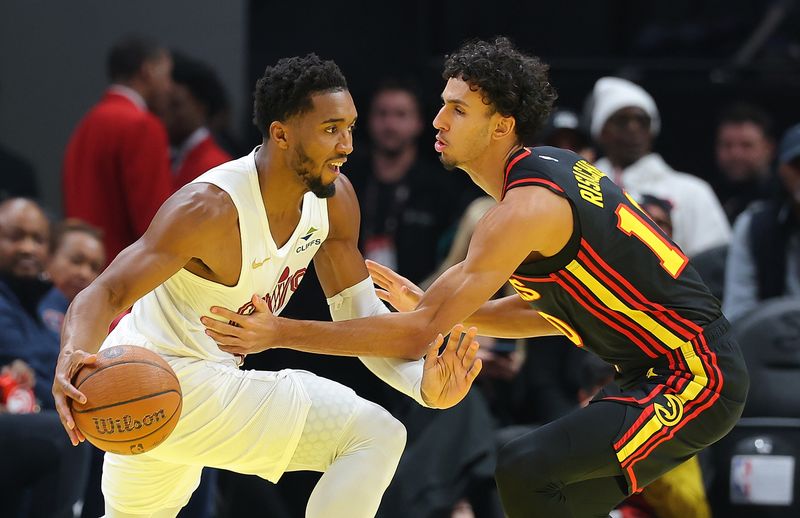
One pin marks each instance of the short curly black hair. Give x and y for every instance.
(511, 83)
(286, 88)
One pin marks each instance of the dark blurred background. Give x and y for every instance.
(694, 57)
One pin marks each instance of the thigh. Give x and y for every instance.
(243, 421)
(142, 485)
(333, 407)
(573, 448)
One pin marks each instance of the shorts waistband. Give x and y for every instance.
(716, 328)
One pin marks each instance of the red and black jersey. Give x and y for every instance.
(620, 287)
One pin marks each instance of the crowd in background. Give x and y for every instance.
(163, 121)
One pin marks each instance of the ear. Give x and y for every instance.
(504, 127)
(278, 132)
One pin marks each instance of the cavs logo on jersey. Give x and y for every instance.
(288, 282)
(670, 414)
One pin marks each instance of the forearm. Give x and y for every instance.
(88, 318)
(360, 301)
(510, 317)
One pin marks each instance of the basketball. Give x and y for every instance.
(133, 400)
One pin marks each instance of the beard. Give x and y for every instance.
(449, 165)
(303, 166)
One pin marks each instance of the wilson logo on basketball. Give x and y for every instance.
(109, 425)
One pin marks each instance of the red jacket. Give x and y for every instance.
(116, 170)
(202, 157)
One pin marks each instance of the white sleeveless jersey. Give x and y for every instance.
(169, 316)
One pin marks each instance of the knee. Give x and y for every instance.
(517, 466)
(385, 429)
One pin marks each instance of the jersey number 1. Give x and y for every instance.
(669, 255)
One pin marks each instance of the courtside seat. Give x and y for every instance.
(757, 466)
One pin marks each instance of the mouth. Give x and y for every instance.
(336, 165)
(439, 145)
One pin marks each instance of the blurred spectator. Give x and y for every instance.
(564, 130)
(37, 454)
(764, 255)
(624, 122)
(659, 210)
(744, 151)
(24, 335)
(197, 96)
(18, 177)
(116, 166)
(77, 258)
(401, 192)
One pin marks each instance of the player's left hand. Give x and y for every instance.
(446, 378)
(243, 334)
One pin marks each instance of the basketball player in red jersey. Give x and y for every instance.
(586, 262)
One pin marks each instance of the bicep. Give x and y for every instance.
(339, 265)
(165, 248)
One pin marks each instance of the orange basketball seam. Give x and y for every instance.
(118, 403)
(144, 362)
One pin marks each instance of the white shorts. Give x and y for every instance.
(244, 421)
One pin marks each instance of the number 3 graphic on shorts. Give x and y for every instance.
(670, 256)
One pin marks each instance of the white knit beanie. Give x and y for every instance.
(611, 94)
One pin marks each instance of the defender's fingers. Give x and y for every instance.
(220, 327)
(471, 352)
(227, 314)
(474, 371)
(433, 351)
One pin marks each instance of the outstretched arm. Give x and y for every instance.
(508, 317)
(163, 250)
(529, 220)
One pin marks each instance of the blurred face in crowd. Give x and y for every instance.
(395, 122)
(24, 235)
(744, 152)
(156, 74)
(626, 136)
(76, 262)
(790, 177)
(465, 125)
(319, 140)
(659, 216)
(184, 114)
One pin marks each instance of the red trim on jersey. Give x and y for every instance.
(655, 344)
(511, 164)
(600, 273)
(589, 302)
(540, 181)
(605, 266)
(646, 413)
(550, 278)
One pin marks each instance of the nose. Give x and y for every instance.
(439, 120)
(29, 245)
(345, 144)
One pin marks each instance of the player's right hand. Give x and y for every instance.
(393, 288)
(69, 362)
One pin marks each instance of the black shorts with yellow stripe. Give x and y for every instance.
(677, 409)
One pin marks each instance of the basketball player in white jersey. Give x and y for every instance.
(251, 226)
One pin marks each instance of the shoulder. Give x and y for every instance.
(344, 214)
(196, 209)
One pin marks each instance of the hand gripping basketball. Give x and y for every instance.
(69, 362)
(133, 400)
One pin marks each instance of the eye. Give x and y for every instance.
(351, 128)
(458, 110)
(331, 129)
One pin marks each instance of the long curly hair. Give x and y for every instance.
(286, 88)
(510, 82)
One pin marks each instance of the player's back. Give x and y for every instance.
(169, 316)
(620, 287)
